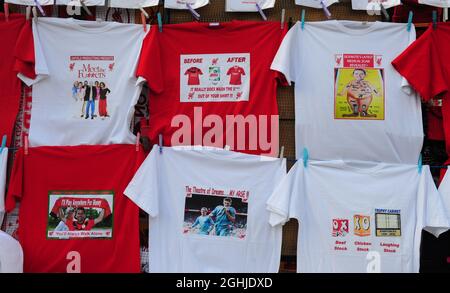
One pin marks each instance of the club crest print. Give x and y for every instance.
(359, 87)
(212, 212)
(90, 91)
(80, 214)
(340, 227)
(215, 77)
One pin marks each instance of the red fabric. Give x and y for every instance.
(235, 74)
(160, 65)
(421, 13)
(78, 171)
(10, 91)
(424, 64)
(102, 108)
(435, 129)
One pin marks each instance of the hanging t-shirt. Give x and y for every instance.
(10, 89)
(75, 61)
(248, 5)
(193, 101)
(78, 3)
(359, 217)
(370, 5)
(425, 67)
(73, 215)
(31, 2)
(349, 100)
(3, 170)
(133, 3)
(436, 3)
(11, 254)
(182, 4)
(315, 3)
(207, 210)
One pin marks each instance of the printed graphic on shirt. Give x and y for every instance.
(387, 223)
(80, 214)
(90, 89)
(361, 225)
(215, 77)
(215, 212)
(340, 227)
(359, 87)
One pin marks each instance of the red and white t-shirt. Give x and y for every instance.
(223, 106)
(73, 215)
(235, 74)
(11, 85)
(425, 65)
(193, 74)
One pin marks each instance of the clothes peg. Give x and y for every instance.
(34, 10)
(282, 153)
(283, 15)
(39, 7)
(194, 13)
(6, 10)
(227, 147)
(303, 19)
(160, 142)
(160, 24)
(144, 20)
(85, 8)
(410, 18)
(261, 12)
(25, 144)
(325, 9)
(434, 16)
(28, 12)
(419, 164)
(138, 139)
(384, 12)
(144, 12)
(305, 157)
(3, 143)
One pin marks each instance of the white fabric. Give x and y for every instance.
(370, 5)
(181, 4)
(78, 3)
(444, 188)
(311, 58)
(11, 254)
(133, 3)
(31, 2)
(69, 51)
(336, 203)
(315, 3)
(247, 5)
(3, 166)
(183, 179)
(436, 3)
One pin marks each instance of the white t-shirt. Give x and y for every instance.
(133, 3)
(78, 3)
(181, 4)
(370, 5)
(11, 254)
(315, 3)
(31, 2)
(436, 3)
(3, 165)
(248, 5)
(174, 186)
(444, 188)
(352, 67)
(359, 218)
(69, 52)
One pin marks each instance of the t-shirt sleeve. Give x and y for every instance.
(15, 189)
(436, 204)
(143, 188)
(149, 67)
(421, 66)
(199, 71)
(286, 59)
(284, 203)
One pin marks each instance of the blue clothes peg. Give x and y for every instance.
(410, 18)
(3, 143)
(303, 19)
(160, 143)
(160, 25)
(305, 157)
(420, 164)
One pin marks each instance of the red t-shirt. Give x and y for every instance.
(198, 115)
(193, 74)
(10, 88)
(424, 64)
(61, 187)
(235, 73)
